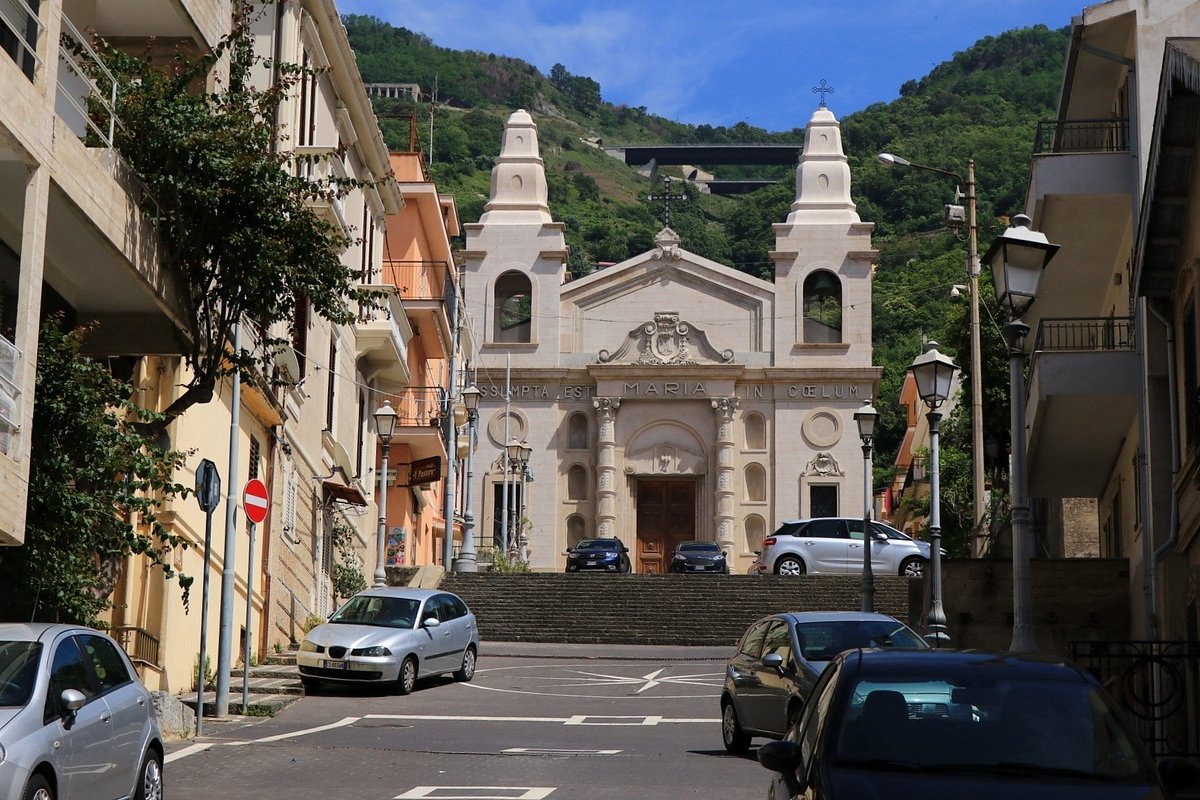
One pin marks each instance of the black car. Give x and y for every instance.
(601, 555)
(936, 723)
(699, 557)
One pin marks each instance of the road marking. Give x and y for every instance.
(526, 792)
(577, 679)
(587, 719)
(448, 718)
(191, 750)
(551, 751)
(578, 719)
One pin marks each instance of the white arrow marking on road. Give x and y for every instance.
(527, 792)
(647, 681)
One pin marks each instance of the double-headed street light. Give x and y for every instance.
(385, 428)
(934, 374)
(1018, 257)
(866, 417)
(954, 219)
(466, 561)
(512, 453)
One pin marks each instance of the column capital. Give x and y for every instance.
(725, 406)
(607, 405)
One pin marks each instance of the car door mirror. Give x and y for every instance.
(71, 700)
(783, 757)
(430, 622)
(880, 537)
(624, 549)
(773, 660)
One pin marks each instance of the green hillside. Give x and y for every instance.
(984, 104)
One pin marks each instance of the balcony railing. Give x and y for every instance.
(10, 394)
(420, 280)
(419, 406)
(89, 108)
(19, 31)
(139, 644)
(1082, 136)
(1085, 334)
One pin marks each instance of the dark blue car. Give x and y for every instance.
(598, 555)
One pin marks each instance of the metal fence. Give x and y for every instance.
(419, 406)
(1085, 333)
(138, 643)
(1150, 680)
(1082, 136)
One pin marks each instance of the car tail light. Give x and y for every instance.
(770, 540)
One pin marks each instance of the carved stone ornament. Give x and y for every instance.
(824, 464)
(666, 244)
(665, 459)
(666, 340)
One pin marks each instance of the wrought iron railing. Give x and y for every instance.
(1082, 136)
(421, 280)
(420, 406)
(1085, 333)
(10, 393)
(1150, 681)
(139, 644)
(20, 40)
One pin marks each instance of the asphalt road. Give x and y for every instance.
(540, 721)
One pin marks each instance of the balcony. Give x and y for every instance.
(427, 288)
(419, 420)
(382, 334)
(1083, 398)
(323, 165)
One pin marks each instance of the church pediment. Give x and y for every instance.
(666, 340)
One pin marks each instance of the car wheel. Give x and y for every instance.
(311, 685)
(467, 671)
(408, 676)
(790, 565)
(38, 788)
(150, 778)
(735, 739)
(913, 567)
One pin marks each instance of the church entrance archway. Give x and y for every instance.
(666, 516)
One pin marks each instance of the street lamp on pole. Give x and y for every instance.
(522, 534)
(466, 555)
(934, 374)
(866, 417)
(385, 428)
(979, 505)
(513, 454)
(1018, 257)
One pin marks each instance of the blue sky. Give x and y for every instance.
(719, 62)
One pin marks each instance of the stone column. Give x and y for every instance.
(606, 469)
(726, 408)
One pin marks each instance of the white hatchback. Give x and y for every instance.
(833, 546)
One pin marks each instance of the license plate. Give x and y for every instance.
(591, 563)
(336, 665)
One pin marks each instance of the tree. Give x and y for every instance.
(95, 488)
(235, 212)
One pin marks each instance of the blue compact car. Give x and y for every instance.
(598, 555)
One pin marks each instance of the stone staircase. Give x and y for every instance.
(274, 685)
(657, 609)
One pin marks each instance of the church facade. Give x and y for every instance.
(667, 397)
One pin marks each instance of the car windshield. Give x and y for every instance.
(18, 671)
(821, 641)
(699, 547)
(1029, 727)
(386, 612)
(598, 544)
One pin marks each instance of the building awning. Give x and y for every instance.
(343, 493)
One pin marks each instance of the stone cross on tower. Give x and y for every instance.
(667, 197)
(823, 90)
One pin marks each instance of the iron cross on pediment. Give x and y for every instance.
(666, 198)
(823, 89)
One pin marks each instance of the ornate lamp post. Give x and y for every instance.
(866, 417)
(934, 374)
(467, 561)
(512, 456)
(385, 427)
(1018, 257)
(522, 534)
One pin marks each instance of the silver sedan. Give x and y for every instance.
(391, 636)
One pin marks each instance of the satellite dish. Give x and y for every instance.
(289, 366)
(341, 460)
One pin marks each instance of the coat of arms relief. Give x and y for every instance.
(666, 340)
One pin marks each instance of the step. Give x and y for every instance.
(260, 705)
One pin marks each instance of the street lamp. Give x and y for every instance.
(954, 219)
(385, 428)
(1018, 257)
(934, 374)
(866, 417)
(513, 455)
(466, 555)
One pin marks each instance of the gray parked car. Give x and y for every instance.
(391, 636)
(75, 721)
(833, 545)
(779, 660)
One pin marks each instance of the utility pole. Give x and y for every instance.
(979, 505)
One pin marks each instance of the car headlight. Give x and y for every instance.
(371, 651)
(572, 555)
(680, 557)
(308, 647)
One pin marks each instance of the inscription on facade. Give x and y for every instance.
(678, 389)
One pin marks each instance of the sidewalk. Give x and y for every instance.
(603, 652)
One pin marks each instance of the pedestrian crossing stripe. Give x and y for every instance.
(552, 751)
(510, 792)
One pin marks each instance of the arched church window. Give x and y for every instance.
(577, 432)
(756, 432)
(755, 530)
(756, 483)
(822, 307)
(513, 309)
(577, 483)
(576, 530)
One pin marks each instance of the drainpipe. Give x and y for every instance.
(1161, 551)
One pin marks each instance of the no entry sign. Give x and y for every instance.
(254, 500)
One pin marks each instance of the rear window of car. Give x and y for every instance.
(18, 671)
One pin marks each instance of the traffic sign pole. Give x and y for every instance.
(255, 503)
(208, 494)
